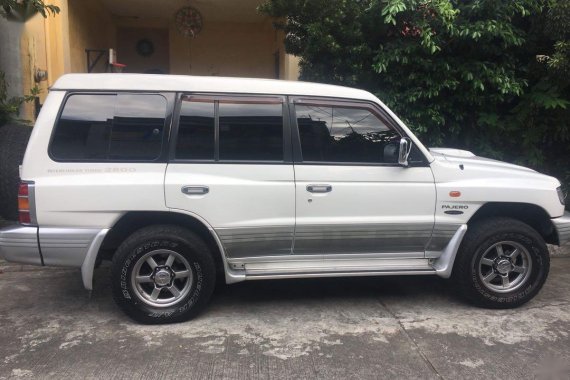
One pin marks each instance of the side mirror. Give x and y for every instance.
(405, 149)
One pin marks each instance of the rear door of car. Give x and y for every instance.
(353, 198)
(231, 165)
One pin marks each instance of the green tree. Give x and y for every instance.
(487, 75)
(23, 9)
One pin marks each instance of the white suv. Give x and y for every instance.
(178, 179)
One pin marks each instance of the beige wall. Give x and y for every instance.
(90, 27)
(34, 56)
(222, 49)
(56, 30)
(127, 39)
(226, 49)
(57, 44)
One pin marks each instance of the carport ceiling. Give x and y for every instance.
(211, 10)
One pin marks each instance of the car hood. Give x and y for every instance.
(466, 157)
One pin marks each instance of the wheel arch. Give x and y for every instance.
(135, 220)
(528, 213)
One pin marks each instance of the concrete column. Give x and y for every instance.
(10, 57)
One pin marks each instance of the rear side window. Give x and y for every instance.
(110, 127)
(251, 131)
(196, 133)
(344, 135)
(247, 129)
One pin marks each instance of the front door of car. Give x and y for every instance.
(231, 166)
(352, 197)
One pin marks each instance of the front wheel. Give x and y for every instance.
(502, 263)
(162, 274)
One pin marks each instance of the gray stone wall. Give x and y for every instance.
(10, 58)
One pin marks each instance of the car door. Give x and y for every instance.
(231, 166)
(352, 197)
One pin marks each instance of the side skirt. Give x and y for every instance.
(347, 265)
(258, 268)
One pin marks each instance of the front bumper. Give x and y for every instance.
(562, 225)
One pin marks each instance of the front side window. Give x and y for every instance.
(344, 134)
(246, 129)
(110, 127)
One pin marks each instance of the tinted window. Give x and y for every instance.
(251, 131)
(196, 131)
(122, 127)
(343, 134)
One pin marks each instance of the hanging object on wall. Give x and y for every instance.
(145, 47)
(188, 21)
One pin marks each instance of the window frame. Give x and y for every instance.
(162, 157)
(218, 98)
(345, 103)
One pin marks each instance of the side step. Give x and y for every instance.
(261, 270)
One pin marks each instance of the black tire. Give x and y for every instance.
(13, 141)
(151, 239)
(479, 240)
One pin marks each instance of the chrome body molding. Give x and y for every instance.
(444, 264)
(66, 246)
(361, 238)
(19, 244)
(242, 241)
(385, 240)
(88, 265)
(562, 225)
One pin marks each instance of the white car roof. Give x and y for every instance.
(186, 83)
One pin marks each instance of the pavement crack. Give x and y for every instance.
(414, 344)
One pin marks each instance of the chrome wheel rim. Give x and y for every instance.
(505, 266)
(161, 278)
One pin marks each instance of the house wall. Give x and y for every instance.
(57, 44)
(91, 26)
(226, 49)
(158, 61)
(222, 49)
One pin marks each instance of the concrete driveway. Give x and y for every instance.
(357, 328)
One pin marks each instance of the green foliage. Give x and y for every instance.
(23, 9)
(10, 107)
(486, 75)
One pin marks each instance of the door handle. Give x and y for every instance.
(319, 188)
(195, 190)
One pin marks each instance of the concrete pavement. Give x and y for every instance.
(400, 327)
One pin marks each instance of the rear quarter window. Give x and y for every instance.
(110, 127)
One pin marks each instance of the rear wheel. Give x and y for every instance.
(163, 274)
(502, 263)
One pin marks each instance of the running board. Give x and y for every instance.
(260, 270)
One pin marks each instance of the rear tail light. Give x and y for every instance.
(26, 208)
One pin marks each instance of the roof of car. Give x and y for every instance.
(185, 83)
